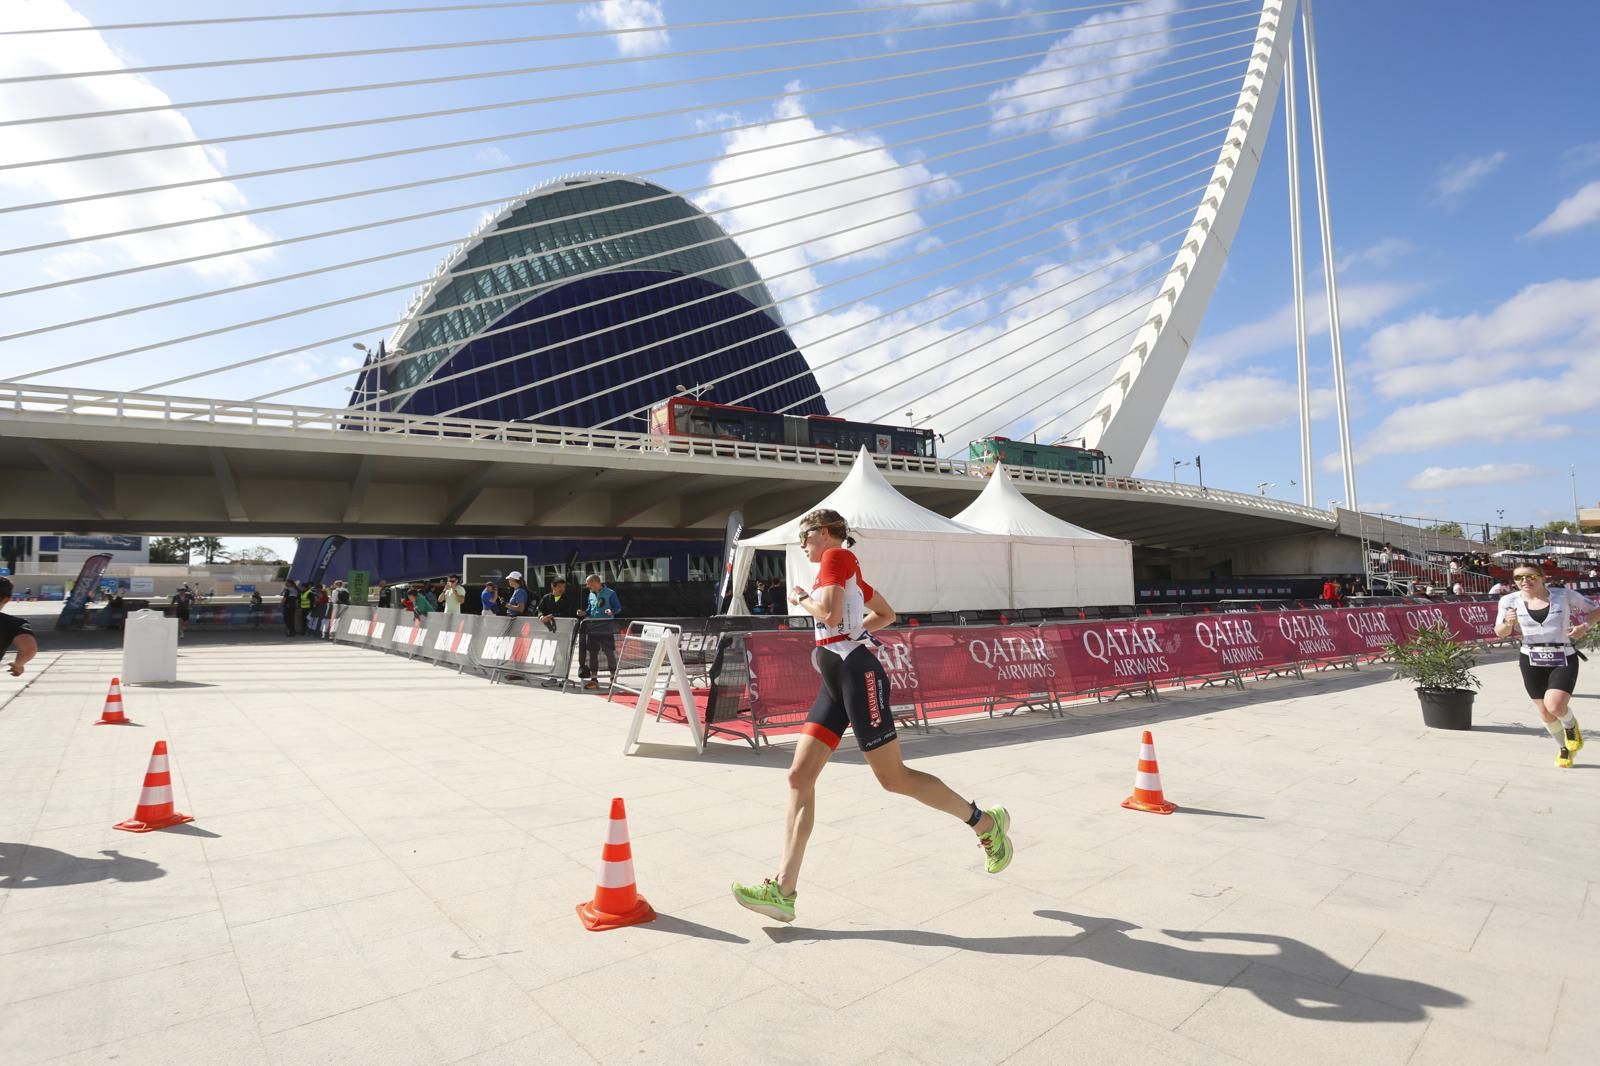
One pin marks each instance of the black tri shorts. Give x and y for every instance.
(1538, 680)
(855, 693)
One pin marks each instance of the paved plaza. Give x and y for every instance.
(386, 856)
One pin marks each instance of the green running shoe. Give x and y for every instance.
(996, 843)
(766, 898)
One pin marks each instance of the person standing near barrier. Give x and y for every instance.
(182, 601)
(256, 610)
(14, 630)
(557, 603)
(1547, 620)
(489, 599)
(855, 693)
(291, 603)
(452, 596)
(604, 607)
(517, 602)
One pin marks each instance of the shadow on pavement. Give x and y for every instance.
(1217, 814)
(1525, 730)
(1106, 941)
(189, 829)
(666, 923)
(25, 866)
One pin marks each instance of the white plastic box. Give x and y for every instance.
(149, 648)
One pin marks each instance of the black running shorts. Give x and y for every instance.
(1538, 680)
(855, 693)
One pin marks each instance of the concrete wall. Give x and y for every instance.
(1299, 555)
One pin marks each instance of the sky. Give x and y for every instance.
(974, 246)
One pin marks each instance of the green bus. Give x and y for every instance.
(983, 455)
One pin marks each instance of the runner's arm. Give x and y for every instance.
(27, 648)
(826, 604)
(879, 613)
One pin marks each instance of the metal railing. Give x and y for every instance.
(77, 403)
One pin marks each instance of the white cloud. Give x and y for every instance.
(59, 53)
(1103, 67)
(813, 198)
(1359, 306)
(1536, 315)
(1580, 209)
(1457, 178)
(634, 15)
(1453, 477)
(1382, 254)
(1234, 406)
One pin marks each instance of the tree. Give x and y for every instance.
(209, 549)
(169, 549)
(1447, 529)
(260, 554)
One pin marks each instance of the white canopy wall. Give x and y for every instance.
(922, 560)
(1053, 562)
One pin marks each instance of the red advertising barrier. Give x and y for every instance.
(974, 663)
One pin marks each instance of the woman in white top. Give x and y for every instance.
(1548, 621)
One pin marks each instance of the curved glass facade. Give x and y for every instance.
(580, 305)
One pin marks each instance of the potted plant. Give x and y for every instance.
(1441, 669)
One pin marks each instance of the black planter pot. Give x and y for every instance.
(1446, 708)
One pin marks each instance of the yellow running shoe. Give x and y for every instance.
(1574, 738)
(1564, 757)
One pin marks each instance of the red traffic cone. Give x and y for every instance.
(155, 802)
(1147, 795)
(616, 900)
(112, 713)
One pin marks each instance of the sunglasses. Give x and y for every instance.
(805, 534)
(1520, 578)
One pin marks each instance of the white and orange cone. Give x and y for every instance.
(112, 713)
(616, 900)
(1147, 794)
(155, 801)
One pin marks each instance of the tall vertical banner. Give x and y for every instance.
(730, 541)
(330, 545)
(77, 602)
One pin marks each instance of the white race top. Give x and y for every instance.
(1566, 607)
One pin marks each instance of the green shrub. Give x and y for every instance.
(1432, 660)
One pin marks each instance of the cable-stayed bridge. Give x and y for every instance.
(978, 223)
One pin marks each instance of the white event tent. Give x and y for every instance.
(926, 562)
(1053, 562)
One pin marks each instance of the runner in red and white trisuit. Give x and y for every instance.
(854, 693)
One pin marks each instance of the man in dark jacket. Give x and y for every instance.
(291, 606)
(558, 603)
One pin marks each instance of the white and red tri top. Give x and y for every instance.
(840, 567)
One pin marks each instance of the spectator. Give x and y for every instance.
(421, 602)
(182, 600)
(308, 599)
(291, 605)
(117, 612)
(452, 596)
(603, 607)
(257, 610)
(517, 604)
(490, 599)
(558, 603)
(1330, 592)
(758, 602)
(16, 631)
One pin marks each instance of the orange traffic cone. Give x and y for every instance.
(112, 714)
(1147, 782)
(155, 802)
(616, 900)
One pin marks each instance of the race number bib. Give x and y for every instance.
(1546, 657)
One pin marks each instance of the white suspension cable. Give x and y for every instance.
(495, 42)
(821, 340)
(439, 279)
(612, 267)
(779, 331)
(1003, 312)
(239, 20)
(876, 268)
(234, 138)
(460, 176)
(1090, 376)
(228, 101)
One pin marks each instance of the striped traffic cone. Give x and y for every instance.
(155, 802)
(1147, 794)
(112, 713)
(616, 900)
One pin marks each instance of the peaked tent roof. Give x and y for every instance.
(868, 502)
(1002, 508)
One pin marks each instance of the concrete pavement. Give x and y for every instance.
(386, 856)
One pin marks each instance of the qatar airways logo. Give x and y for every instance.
(1476, 614)
(1309, 633)
(1130, 651)
(1232, 640)
(1013, 658)
(895, 655)
(1426, 618)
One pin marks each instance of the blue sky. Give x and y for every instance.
(1465, 185)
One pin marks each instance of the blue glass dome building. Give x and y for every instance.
(594, 284)
(589, 284)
